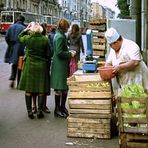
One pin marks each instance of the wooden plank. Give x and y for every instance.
(98, 52)
(88, 125)
(86, 120)
(137, 137)
(135, 120)
(134, 110)
(131, 140)
(90, 106)
(89, 135)
(92, 116)
(99, 47)
(90, 95)
(136, 130)
(88, 111)
(137, 145)
(90, 101)
(89, 130)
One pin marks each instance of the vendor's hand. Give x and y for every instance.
(116, 69)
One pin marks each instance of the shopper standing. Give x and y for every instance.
(35, 74)
(60, 68)
(15, 48)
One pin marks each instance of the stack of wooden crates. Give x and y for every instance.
(133, 123)
(98, 27)
(90, 107)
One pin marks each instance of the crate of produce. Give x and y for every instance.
(89, 128)
(132, 140)
(132, 109)
(88, 86)
(133, 115)
(88, 83)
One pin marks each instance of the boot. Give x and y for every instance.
(40, 107)
(57, 111)
(63, 102)
(28, 100)
(34, 108)
(45, 108)
(18, 76)
(13, 72)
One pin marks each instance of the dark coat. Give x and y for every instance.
(75, 43)
(35, 75)
(60, 64)
(15, 48)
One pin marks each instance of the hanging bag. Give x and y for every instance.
(20, 62)
(73, 66)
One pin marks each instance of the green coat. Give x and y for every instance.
(35, 73)
(60, 63)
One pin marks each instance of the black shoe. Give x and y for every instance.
(40, 115)
(65, 111)
(34, 110)
(12, 84)
(30, 115)
(46, 110)
(58, 113)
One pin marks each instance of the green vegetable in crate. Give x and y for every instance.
(137, 104)
(126, 105)
(133, 91)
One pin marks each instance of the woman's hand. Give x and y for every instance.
(73, 53)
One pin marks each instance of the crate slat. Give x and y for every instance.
(90, 115)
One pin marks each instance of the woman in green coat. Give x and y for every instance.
(35, 73)
(60, 68)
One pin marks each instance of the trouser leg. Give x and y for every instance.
(13, 72)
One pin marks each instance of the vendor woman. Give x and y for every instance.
(127, 60)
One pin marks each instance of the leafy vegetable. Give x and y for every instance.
(133, 91)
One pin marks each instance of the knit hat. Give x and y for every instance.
(111, 35)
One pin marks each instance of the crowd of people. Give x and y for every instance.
(50, 58)
(46, 58)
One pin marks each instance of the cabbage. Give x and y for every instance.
(126, 105)
(133, 91)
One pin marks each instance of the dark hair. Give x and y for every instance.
(120, 38)
(44, 26)
(53, 29)
(21, 18)
(75, 28)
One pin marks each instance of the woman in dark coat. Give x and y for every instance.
(35, 72)
(60, 68)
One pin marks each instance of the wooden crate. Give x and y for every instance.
(99, 47)
(129, 140)
(88, 128)
(88, 82)
(90, 108)
(99, 52)
(88, 86)
(97, 21)
(133, 120)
